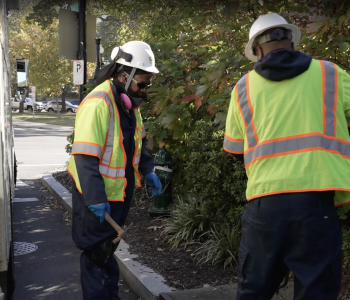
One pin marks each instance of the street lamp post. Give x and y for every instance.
(99, 52)
(98, 43)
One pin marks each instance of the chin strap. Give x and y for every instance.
(131, 76)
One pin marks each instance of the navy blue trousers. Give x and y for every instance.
(299, 232)
(98, 283)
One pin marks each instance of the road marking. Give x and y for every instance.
(20, 183)
(16, 200)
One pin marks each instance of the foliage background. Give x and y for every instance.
(199, 49)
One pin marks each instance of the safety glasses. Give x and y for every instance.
(141, 85)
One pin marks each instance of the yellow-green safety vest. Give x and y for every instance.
(293, 133)
(98, 133)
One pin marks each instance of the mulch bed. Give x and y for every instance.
(177, 266)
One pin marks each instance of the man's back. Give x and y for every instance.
(294, 130)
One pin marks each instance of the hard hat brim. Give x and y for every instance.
(147, 69)
(296, 39)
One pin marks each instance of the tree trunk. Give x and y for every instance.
(58, 108)
(63, 97)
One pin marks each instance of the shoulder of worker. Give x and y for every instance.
(102, 95)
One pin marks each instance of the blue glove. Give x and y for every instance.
(153, 181)
(99, 210)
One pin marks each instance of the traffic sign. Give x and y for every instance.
(78, 72)
(33, 92)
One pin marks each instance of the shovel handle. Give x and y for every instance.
(113, 224)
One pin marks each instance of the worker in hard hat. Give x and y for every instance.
(287, 120)
(108, 155)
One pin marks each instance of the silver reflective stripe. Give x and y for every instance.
(231, 146)
(247, 114)
(110, 172)
(109, 145)
(143, 132)
(137, 160)
(87, 148)
(329, 97)
(295, 144)
(348, 120)
(106, 97)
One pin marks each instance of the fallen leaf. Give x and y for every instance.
(155, 228)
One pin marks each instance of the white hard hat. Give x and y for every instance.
(140, 56)
(264, 23)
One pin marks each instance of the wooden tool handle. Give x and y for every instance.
(113, 224)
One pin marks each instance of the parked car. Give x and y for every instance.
(75, 102)
(51, 106)
(27, 104)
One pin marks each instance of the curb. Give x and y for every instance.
(146, 283)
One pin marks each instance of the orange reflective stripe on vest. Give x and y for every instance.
(87, 148)
(330, 86)
(136, 159)
(292, 144)
(233, 145)
(107, 154)
(295, 144)
(246, 110)
(111, 172)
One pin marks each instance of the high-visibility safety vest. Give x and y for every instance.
(98, 133)
(293, 133)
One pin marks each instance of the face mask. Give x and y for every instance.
(131, 99)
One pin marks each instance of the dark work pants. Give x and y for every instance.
(296, 231)
(98, 283)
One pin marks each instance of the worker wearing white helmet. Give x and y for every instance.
(287, 121)
(108, 156)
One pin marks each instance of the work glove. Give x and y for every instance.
(99, 210)
(153, 181)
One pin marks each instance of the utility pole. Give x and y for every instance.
(82, 42)
(98, 43)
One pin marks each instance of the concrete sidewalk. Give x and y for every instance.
(22, 123)
(147, 284)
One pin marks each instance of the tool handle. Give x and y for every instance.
(113, 223)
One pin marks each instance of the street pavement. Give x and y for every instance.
(51, 271)
(39, 148)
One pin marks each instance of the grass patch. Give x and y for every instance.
(66, 119)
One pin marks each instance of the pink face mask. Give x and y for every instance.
(127, 102)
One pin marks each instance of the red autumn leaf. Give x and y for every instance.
(312, 27)
(189, 98)
(198, 102)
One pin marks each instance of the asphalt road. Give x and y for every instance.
(39, 148)
(51, 272)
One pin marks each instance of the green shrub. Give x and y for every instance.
(222, 241)
(214, 184)
(70, 139)
(201, 166)
(189, 220)
(216, 229)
